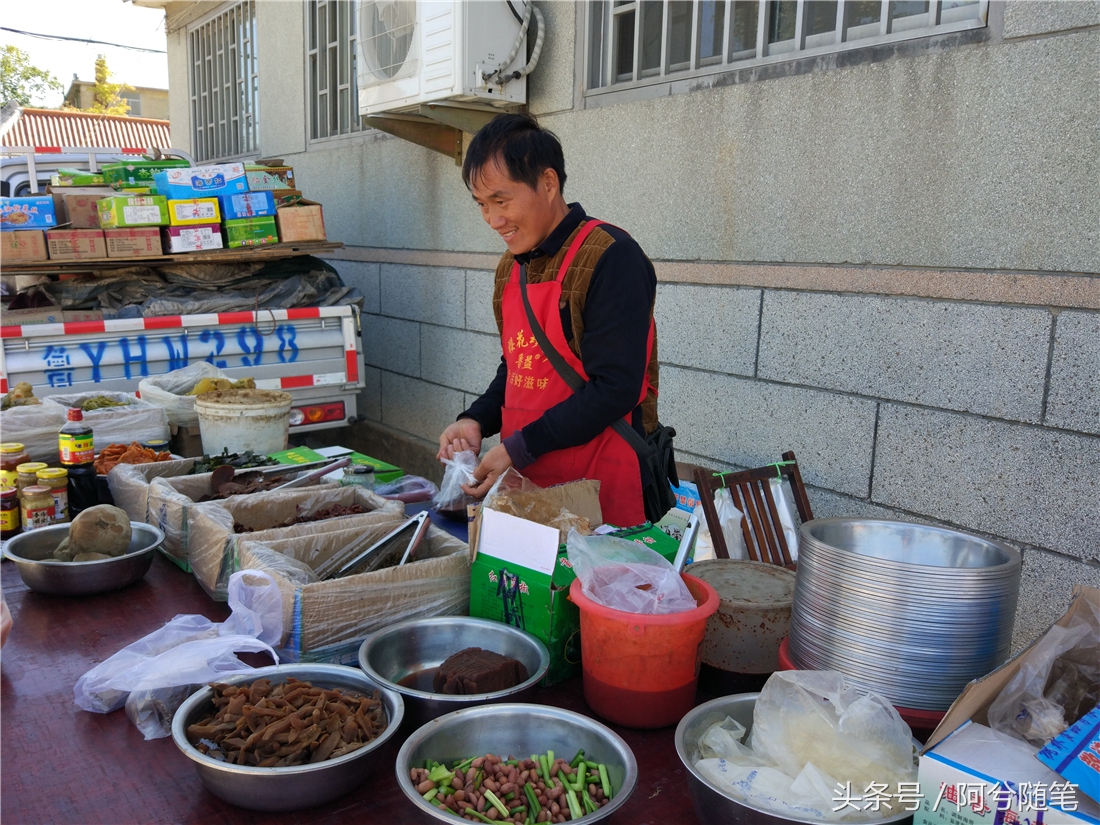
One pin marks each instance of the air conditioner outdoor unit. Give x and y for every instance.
(413, 52)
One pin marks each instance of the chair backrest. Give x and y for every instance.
(752, 495)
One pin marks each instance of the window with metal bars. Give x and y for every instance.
(225, 84)
(643, 42)
(331, 47)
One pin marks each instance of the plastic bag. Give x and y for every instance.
(35, 428)
(188, 650)
(730, 519)
(408, 489)
(1058, 681)
(811, 732)
(459, 471)
(137, 421)
(624, 575)
(784, 504)
(169, 391)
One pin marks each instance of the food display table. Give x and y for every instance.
(60, 764)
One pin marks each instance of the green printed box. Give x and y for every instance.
(133, 210)
(137, 172)
(251, 232)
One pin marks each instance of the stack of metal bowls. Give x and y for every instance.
(909, 611)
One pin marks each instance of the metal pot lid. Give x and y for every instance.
(747, 584)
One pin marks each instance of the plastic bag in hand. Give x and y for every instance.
(460, 470)
(188, 650)
(1056, 683)
(628, 576)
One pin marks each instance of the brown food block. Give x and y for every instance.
(474, 670)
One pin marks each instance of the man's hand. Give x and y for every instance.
(495, 462)
(464, 434)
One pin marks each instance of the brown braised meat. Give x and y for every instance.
(474, 670)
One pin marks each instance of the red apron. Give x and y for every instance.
(534, 386)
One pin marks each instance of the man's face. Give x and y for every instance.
(524, 217)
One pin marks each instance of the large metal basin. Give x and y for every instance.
(711, 804)
(301, 786)
(401, 649)
(517, 730)
(32, 553)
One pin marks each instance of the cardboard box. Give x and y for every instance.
(300, 221)
(520, 574)
(326, 621)
(967, 771)
(23, 246)
(383, 472)
(132, 210)
(261, 176)
(201, 181)
(76, 206)
(69, 315)
(286, 195)
(133, 243)
(1074, 754)
(248, 205)
(36, 212)
(137, 173)
(251, 232)
(129, 484)
(36, 315)
(211, 539)
(192, 238)
(194, 212)
(75, 177)
(76, 244)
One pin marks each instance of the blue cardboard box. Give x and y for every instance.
(248, 205)
(201, 181)
(35, 212)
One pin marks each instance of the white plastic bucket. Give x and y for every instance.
(239, 420)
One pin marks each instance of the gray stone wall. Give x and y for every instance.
(985, 418)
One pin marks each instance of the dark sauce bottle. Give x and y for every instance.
(76, 452)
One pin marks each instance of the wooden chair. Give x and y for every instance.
(752, 495)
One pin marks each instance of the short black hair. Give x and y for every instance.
(526, 149)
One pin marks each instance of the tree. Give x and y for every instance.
(107, 100)
(20, 82)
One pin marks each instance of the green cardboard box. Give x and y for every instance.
(137, 172)
(383, 472)
(132, 210)
(251, 232)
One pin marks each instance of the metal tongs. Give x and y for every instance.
(314, 476)
(395, 548)
(687, 543)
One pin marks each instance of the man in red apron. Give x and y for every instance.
(591, 288)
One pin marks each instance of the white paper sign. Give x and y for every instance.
(518, 541)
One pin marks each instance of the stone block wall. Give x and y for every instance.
(977, 415)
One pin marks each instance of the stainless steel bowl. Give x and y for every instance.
(301, 786)
(711, 804)
(402, 649)
(32, 553)
(516, 730)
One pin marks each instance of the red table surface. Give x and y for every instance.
(60, 764)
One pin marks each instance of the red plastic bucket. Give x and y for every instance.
(641, 670)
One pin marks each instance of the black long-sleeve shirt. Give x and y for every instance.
(616, 313)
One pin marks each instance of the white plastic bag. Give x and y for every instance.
(628, 576)
(170, 391)
(189, 650)
(137, 421)
(811, 734)
(730, 519)
(459, 471)
(784, 504)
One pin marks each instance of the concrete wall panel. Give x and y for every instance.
(750, 423)
(364, 277)
(1028, 484)
(1031, 17)
(1074, 398)
(281, 52)
(984, 359)
(479, 302)
(711, 328)
(458, 358)
(431, 294)
(391, 344)
(418, 408)
(370, 397)
(1046, 588)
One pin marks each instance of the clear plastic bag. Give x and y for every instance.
(169, 391)
(624, 575)
(460, 470)
(408, 489)
(1057, 682)
(137, 421)
(188, 650)
(784, 504)
(811, 733)
(730, 519)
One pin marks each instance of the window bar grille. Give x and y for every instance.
(225, 84)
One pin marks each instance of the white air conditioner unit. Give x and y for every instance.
(413, 52)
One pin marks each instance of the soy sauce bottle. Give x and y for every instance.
(77, 454)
